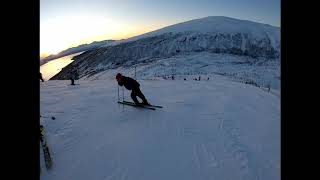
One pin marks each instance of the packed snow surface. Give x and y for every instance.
(208, 129)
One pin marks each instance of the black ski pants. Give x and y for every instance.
(137, 92)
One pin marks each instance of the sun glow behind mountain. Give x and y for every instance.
(60, 33)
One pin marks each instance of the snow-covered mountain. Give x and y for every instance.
(74, 50)
(220, 25)
(220, 44)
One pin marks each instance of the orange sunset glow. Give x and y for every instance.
(60, 33)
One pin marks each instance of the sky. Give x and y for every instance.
(69, 23)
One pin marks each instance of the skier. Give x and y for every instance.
(133, 85)
(41, 77)
(74, 76)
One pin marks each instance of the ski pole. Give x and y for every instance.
(53, 118)
(118, 94)
(123, 94)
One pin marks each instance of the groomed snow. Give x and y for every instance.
(204, 64)
(216, 129)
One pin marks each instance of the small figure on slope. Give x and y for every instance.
(74, 76)
(41, 77)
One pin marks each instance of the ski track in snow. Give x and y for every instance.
(206, 130)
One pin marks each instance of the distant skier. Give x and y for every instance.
(132, 85)
(199, 78)
(41, 77)
(74, 76)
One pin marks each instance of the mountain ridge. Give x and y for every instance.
(258, 42)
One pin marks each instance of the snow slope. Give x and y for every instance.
(204, 64)
(216, 129)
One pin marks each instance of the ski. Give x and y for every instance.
(73, 84)
(144, 105)
(133, 104)
(45, 148)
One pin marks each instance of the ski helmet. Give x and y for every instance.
(118, 76)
